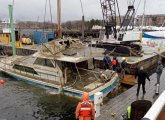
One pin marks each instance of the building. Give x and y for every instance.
(5, 34)
(151, 20)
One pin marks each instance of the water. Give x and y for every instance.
(21, 101)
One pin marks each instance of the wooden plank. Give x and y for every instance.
(128, 80)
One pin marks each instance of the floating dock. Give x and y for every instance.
(120, 103)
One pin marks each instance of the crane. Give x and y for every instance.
(121, 44)
(127, 21)
(109, 16)
(128, 18)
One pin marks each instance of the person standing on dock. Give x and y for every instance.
(142, 75)
(114, 63)
(107, 61)
(124, 66)
(85, 109)
(159, 71)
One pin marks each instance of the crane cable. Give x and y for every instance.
(13, 2)
(133, 2)
(130, 2)
(138, 7)
(118, 11)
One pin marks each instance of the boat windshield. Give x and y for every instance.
(25, 69)
(43, 62)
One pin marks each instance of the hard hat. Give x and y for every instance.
(85, 96)
(123, 58)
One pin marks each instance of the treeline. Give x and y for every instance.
(35, 25)
(69, 25)
(77, 25)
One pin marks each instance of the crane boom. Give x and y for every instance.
(109, 16)
(129, 18)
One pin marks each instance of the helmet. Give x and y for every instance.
(123, 58)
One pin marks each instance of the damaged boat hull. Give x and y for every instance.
(106, 88)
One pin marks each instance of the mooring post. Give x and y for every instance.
(98, 99)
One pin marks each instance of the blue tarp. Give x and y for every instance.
(145, 35)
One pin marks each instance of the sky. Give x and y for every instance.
(71, 9)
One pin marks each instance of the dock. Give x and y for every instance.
(120, 103)
(24, 51)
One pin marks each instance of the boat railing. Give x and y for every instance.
(45, 77)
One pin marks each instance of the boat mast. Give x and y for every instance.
(143, 15)
(59, 29)
(83, 20)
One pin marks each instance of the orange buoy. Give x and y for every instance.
(2, 82)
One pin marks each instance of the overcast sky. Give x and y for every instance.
(71, 9)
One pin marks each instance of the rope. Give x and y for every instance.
(72, 84)
(112, 50)
(138, 7)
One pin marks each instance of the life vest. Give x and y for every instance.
(114, 62)
(85, 110)
(129, 112)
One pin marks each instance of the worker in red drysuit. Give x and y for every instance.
(85, 109)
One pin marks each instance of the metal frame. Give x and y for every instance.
(109, 16)
(129, 18)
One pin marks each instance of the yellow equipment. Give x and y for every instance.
(26, 41)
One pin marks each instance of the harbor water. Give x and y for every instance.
(21, 101)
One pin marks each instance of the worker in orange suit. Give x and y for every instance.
(85, 109)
